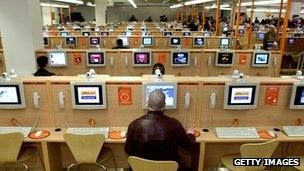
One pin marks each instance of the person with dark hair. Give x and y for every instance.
(159, 66)
(42, 62)
(132, 18)
(119, 45)
(149, 19)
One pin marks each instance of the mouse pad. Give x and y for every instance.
(264, 134)
(41, 135)
(116, 135)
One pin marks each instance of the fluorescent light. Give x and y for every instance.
(266, 10)
(197, 2)
(302, 12)
(215, 6)
(54, 5)
(176, 5)
(90, 4)
(71, 1)
(268, 2)
(133, 3)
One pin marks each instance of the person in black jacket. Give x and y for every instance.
(42, 62)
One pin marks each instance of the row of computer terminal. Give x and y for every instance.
(144, 57)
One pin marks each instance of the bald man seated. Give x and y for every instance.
(156, 136)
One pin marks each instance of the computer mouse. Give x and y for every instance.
(123, 134)
(271, 133)
(38, 133)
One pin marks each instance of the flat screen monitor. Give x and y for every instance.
(180, 58)
(96, 58)
(46, 41)
(86, 33)
(167, 34)
(241, 31)
(224, 58)
(11, 95)
(128, 33)
(260, 59)
(224, 42)
(125, 41)
(94, 41)
(64, 33)
(104, 34)
(186, 33)
(175, 41)
(207, 34)
(225, 29)
(297, 96)
(89, 95)
(291, 41)
(57, 59)
(71, 41)
(240, 96)
(111, 30)
(198, 41)
(142, 58)
(169, 89)
(261, 35)
(147, 41)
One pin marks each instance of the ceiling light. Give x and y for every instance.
(176, 5)
(54, 5)
(215, 6)
(266, 10)
(90, 4)
(268, 2)
(197, 2)
(71, 1)
(133, 3)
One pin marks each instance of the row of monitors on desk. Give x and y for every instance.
(85, 33)
(93, 95)
(144, 58)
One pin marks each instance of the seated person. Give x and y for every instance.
(119, 45)
(159, 66)
(155, 136)
(42, 62)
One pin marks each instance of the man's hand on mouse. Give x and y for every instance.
(191, 131)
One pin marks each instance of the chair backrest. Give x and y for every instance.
(140, 164)
(10, 145)
(258, 150)
(85, 148)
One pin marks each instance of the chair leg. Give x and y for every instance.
(40, 158)
(72, 165)
(113, 157)
(25, 165)
(102, 166)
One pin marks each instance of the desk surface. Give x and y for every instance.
(207, 137)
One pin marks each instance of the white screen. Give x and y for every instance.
(8, 95)
(147, 41)
(241, 95)
(167, 90)
(88, 95)
(261, 58)
(124, 41)
(224, 42)
(57, 59)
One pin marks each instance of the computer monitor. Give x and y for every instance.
(291, 41)
(180, 58)
(96, 58)
(64, 33)
(224, 58)
(198, 41)
(11, 95)
(241, 31)
(175, 41)
(169, 89)
(94, 41)
(167, 34)
(260, 59)
(225, 29)
(104, 34)
(46, 41)
(86, 33)
(240, 96)
(147, 41)
(88, 95)
(71, 41)
(224, 42)
(186, 33)
(125, 41)
(261, 35)
(207, 34)
(142, 58)
(111, 30)
(57, 59)
(128, 33)
(297, 96)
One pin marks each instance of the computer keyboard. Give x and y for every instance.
(294, 131)
(236, 132)
(89, 131)
(24, 130)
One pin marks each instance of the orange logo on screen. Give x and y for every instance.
(125, 95)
